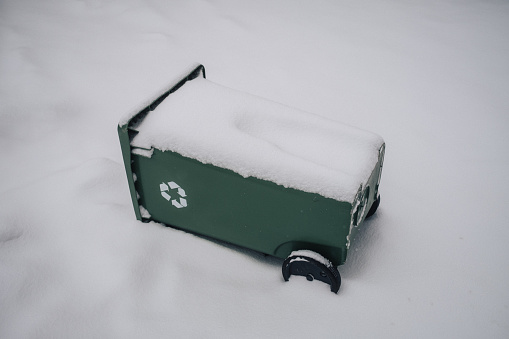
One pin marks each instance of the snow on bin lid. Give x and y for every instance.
(153, 84)
(260, 138)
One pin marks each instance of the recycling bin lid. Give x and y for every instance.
(256, 137)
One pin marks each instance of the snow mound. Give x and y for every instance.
(263, 139)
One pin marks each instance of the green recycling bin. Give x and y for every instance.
(235, 167)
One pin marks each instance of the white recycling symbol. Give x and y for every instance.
(180, 201)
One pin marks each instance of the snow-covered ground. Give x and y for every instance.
(431, 77)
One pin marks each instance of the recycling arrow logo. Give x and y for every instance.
(179, 201)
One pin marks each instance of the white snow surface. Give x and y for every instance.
(431, 77)
(159, 86)
(262, 139)
(310, 254)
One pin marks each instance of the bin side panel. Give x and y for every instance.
(123, 134)
(372, 185)
(248, 212)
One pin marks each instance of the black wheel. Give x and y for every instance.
(313, 266)
(374, 207)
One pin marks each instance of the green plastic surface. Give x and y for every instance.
(248, 212)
